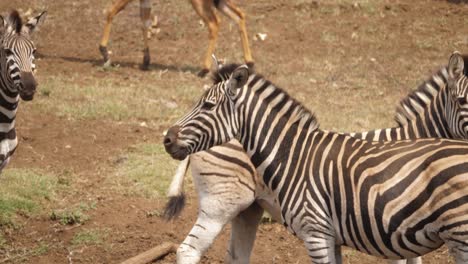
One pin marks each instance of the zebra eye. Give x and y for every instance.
(208, 105)
(461, 100)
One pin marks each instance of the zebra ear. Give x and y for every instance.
(238, 79)
(456, 65)
(2, 26)
(32, 24)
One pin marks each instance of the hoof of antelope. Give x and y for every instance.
(146, 60)
(104, 53)
(251, 64)
(203, 73)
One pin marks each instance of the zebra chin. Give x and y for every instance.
(27, 96)
(176, 152)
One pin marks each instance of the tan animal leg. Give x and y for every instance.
(205, 9)
(234, 13)
(244, 230)
(114, 10)
(145, 16)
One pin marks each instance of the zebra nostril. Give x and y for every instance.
(167, 141)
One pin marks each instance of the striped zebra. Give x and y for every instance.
(16, 76)
(204, 8)
(427, 118)
(334, 189)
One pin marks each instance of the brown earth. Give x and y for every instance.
(300, 34)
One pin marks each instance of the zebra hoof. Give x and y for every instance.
(104, 53)
(203, 73)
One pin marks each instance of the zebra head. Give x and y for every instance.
(457, 86)
(17, 54)
(213, 120)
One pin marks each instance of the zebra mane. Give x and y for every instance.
(226, 71)
(417, 102)
(15, 21)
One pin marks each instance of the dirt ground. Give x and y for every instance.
(344, 58)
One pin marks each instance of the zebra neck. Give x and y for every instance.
(9, 99)
(7, 85)
(427, 109)
(271, 125)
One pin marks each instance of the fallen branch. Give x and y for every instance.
(152, 254)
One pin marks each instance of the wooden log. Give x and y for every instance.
(152, 254)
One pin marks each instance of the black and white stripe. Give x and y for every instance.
(334, 189)
(434, 109)
(16, 76)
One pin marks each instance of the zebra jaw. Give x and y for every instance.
(177, 152)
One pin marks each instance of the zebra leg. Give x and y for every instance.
(455, 237)
(114, 10)
(205, 10)
(244, 229)
(145, 16)
(458, 249)
(233, 12)
(417, 260)
(4, 164)
(322, 250)
(200, 238)
(338, 256)
(224, 190)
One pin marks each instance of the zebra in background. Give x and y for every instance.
(432, 110)
(230, 162)
(16, 75)
(312, 179)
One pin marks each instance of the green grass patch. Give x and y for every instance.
(24, 191)
(74, 215)
(88, 237)
(69, 217)
(148, 169)
(40, 249)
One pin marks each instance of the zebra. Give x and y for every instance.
(204, 8)
(16, 75)
(310, 171)
(232, 161)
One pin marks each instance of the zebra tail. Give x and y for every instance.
(176, 195)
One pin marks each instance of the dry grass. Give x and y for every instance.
(145, 170)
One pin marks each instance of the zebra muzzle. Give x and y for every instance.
(28, 86)
(172, 147)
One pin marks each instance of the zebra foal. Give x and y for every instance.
(312, 180)
(16, 75)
